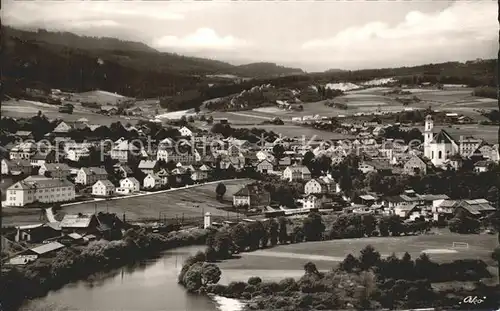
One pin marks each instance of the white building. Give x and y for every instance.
(103, 188)
(297, 172)
(200, 174)
(23, 151)
(122, 151)
(40, 189)
(263, 155)
(320, 185)
(90, 175)
(311, 202)
(439, 148)
(128, 185)
(152, 181)
(187, 157)
(62, 128)
(76, 151)
(185, 132)
(55, 170)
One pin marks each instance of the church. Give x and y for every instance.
(441, 148)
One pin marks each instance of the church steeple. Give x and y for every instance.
(428, 135)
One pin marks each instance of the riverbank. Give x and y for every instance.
(20, 284)
(341, 280)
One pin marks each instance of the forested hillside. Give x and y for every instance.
(74, 63)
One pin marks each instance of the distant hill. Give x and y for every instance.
(266, 70)
(140, 56)
(334, 70)
(75, 41)
(46, 60)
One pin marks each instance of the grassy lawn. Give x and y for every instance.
(187, 203)
(24, 109)
(326, 254)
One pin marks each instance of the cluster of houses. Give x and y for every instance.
(194, 156)
(49, 237)
(324, 194)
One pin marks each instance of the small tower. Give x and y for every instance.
(428, 135)
(207, 220)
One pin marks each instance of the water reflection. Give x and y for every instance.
(149, 285)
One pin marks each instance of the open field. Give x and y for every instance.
(487, 132)
(452, 99)
(290, 130)
(287, 260)
(28, 109)
(366, 100)
(188, 203)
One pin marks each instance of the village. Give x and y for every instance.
(58, 169)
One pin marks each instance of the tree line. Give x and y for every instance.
(365, 282)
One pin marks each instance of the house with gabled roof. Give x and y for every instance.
(163, 174)
(252, 195)
(186, 132)
(149, 166)
(297, 172)
(122, 150)
(54, 170)
(200, 173)
(375, 166)
(44, 156)
(103, 188)
(123, 169)
(24, 134)
(128, 185)
(482, 166)
(24, 150)
(152, 181)
(46, 250)
(265, 166)
(477, 208)
(37, 233)
(16, 167)
(40, 189)
(62, 128)
(319, 185)
(80, 223)
(417, 165)
(90, 175)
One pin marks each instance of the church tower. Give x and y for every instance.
(428, 135)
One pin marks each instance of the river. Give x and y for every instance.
(150, 285)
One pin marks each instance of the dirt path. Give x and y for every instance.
(267, 253)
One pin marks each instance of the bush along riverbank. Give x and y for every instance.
(366, 282)
(76, 263)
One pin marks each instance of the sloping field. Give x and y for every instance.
(28, 109)
(299, 131)
(190, 203)
(487, 132)
(327, 254)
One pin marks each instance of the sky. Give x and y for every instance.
(312, 35)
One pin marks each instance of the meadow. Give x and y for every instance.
(287, 260)
(450, 99)
(28, 109)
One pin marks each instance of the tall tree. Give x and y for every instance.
(220, 190)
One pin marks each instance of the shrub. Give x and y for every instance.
(254, 280)
(236, 288)
(288, 285)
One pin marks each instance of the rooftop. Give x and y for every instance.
(45, 248)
